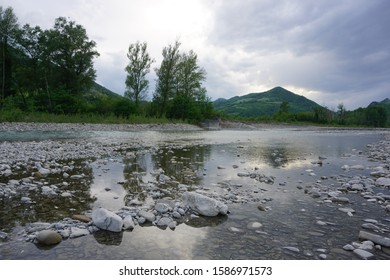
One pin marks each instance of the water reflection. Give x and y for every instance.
(48, 199)
(199, 222)
(108, 238)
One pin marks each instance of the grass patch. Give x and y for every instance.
(17, 115)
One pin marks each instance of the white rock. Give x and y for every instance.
(164, 178)
(162, 207)
(254, 225)
(357, 167)
(150, 217)
(348, 247)
(25, 199)
(7, 172)
(204, 205)
(346, 210)
(234, 229)
(105, 219)
(164, 222)
(77, 232)
(172, 225)
(44, 171)
(128, 223)
(292, 249)
(66, 194)
(76, 177)
(46, 190)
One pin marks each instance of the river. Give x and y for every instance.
(295, 225)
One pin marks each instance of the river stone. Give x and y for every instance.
(172, 225)
(377, 239)
(128, 223)
(81, 218)
(105, 219)
(176, 215)
(254, 225)
(46, 190)
(150, 217)
(204, 205)
(261, 207)
(382, 181)
(77, 232)
(348, 247)
(48, 237)
(44, 171)
(162, 207)
(292, 249)
(363, 254)
(164, 222)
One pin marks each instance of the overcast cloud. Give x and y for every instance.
(331, 51)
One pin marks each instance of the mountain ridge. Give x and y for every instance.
(265, 103)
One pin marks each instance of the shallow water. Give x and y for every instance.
(210, 160)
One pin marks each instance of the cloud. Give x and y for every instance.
(330, 51)
(337, 49)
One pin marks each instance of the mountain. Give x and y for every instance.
(384, 103)
(98, 89)
(264, 103)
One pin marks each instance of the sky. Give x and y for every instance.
(330, 51)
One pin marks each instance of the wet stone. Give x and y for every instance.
(365, 255)
(48, 237)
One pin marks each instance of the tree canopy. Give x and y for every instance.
(137, 69)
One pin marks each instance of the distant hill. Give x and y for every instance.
(99, 90)
(264, 103)
(384, 103)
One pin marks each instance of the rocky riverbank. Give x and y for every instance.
(15, 126)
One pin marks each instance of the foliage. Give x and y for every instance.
(179, 91)
(68, 50)
(51, 72)
(137, 69)
(8, 29)
(166, 78)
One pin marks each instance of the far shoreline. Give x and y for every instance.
(223, 125)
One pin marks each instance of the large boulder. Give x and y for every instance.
(204, 205)
(105, 219)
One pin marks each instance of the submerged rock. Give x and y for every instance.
(204, 205)
(363, 254)
(377, 239)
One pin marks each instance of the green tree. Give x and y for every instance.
(28, 71)
(69, 50)
(137, 69)
(190, 77)
(341, 113)
(375, 116)
(166, 85)
(8, 29)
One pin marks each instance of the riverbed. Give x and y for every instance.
(292, 193)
